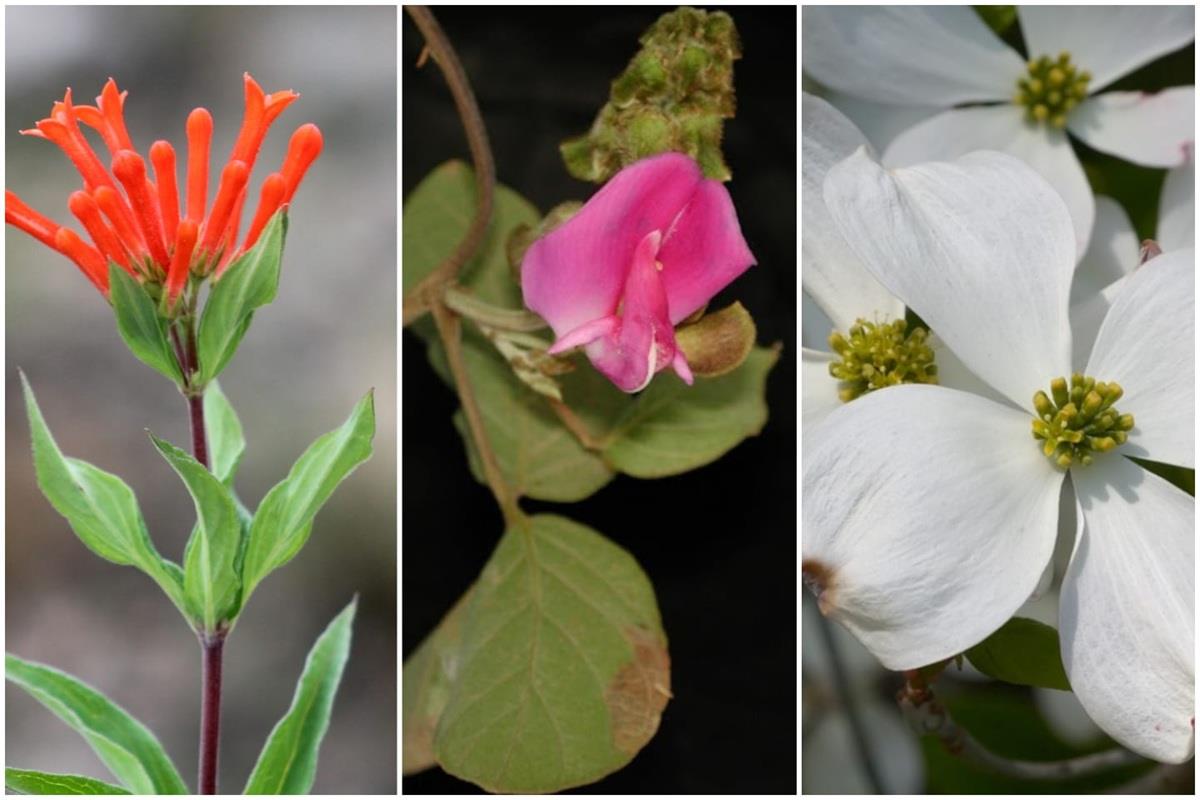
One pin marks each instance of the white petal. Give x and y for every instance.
(819, 389)
(928, 517)
(964, 130)
(830, 272)
(881, 123)
(1147, 344)
(1127, 615)
(815, 327)
(980, 248)
(1066, 716)
(953, 373)
(1111, 255)
(1177, 209)
(908, 55)
(1107, 41)
(1154, 130)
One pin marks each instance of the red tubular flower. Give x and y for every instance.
(273, 190)
(162, 156)
(131, 172)
(233, 182)
(303, 149)
(199, 135)
(85, 209)
(143, 228)
(185, 243)
(37, 225)
(88, 258)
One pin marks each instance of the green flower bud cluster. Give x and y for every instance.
(878, 355)
(1078, 421)
(1051, 89)
(673, 96)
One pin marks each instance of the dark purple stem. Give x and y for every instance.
(199, 440)
(210, 711)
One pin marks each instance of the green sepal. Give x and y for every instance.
(673, 96)
(226, 441)
(288, 762)
(1023, 651)
(101, 508)
(211, 582)
(146, 334)
(28, 781)
(127, 748)
(284, 519)
(249, 282)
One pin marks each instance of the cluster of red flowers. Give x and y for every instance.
(144, 230)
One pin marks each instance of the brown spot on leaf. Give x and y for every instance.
(818, 578)
(639, 691)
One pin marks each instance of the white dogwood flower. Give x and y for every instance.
(980, 94)
(929, 514)
(861, 325)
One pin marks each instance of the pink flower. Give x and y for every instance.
(648, 250)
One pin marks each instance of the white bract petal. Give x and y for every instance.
(908, 55)
(981, 249)
(830, 271)
(1108, 41)
(1111, 255)
(1127, 614)
(814, 325)
(819, 389)
(1154, 130)
(1177, 209)
(960, 131)
(953, 373)
(929, 515)
(1087, 315)
(881, 123)
(1147, 345)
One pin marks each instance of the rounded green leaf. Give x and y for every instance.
(1022, 651)
(562, 670)
(428, 678)
(125, 746)
(288, 762)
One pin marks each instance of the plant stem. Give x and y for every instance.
(213, 646)
(466, 304)
(575, 425)
(928, 717)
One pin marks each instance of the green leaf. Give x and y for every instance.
(144, 331)
(283, 520)
(28, 781)
(428, 678)
(674, 427)
(537, 455)
(226, 442)
(1022, 651)
(125, 746)
(248, 283)
(99, 506)
(210, 581)
(436, 215)
(563, 672)
(288, 762)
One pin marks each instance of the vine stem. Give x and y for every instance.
(927, 716)
(430, 293)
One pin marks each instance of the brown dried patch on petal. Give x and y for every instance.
(639, 691)
(818, 577)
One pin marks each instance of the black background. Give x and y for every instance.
(719, 543)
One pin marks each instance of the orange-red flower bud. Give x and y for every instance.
(85, 209)
(261, 111)
(199, 136)
(131, 172)
(87, 258)
(108, 118)
(269, 201)
(185, 243)
(162, 156)
(32, 222)
(303, 149)
(233, 181)
(113, 206)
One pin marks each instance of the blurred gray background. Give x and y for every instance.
(327, 338)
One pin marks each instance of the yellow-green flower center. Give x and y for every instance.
(1051, 88)
(876, 355)
(1080, 420)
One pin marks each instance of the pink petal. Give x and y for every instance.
(576, 273)
(703, 252)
